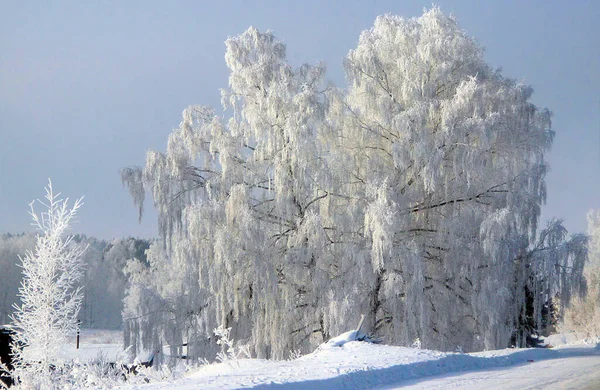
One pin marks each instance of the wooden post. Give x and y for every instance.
(78, 326)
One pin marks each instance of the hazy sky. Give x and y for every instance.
(86, 87)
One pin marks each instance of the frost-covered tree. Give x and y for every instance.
(445, 158)
(50, 301)
(10, 248)
(411, 197)
(583, 314)
(593, 218)
(257, 178)
(554, 271)
(98, 309)
(104, 282)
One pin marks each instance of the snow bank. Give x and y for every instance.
(354, 365)
(572, 338)
(352, 335)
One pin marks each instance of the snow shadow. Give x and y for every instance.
(416, 372)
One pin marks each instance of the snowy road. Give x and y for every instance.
(578, 369)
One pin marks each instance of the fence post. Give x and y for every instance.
(78, 326)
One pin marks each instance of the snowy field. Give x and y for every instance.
(571, 364)
(94, 344)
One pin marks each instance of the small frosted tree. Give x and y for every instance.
(50, 300)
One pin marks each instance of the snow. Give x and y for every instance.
(359, 365)
(572, 338)
(352, 335)
(343, 363)
(106, 345)
(341, 339)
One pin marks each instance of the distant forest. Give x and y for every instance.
(103, 285)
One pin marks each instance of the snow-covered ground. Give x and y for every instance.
(359, 365)
(95, 344)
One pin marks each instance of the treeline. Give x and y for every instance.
(104, 284)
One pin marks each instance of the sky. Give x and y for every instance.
(87, 87)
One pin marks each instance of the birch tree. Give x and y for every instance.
(412, 197)
(259, 176)
(448, 156)
(583, 315)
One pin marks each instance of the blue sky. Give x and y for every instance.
(86, 87)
